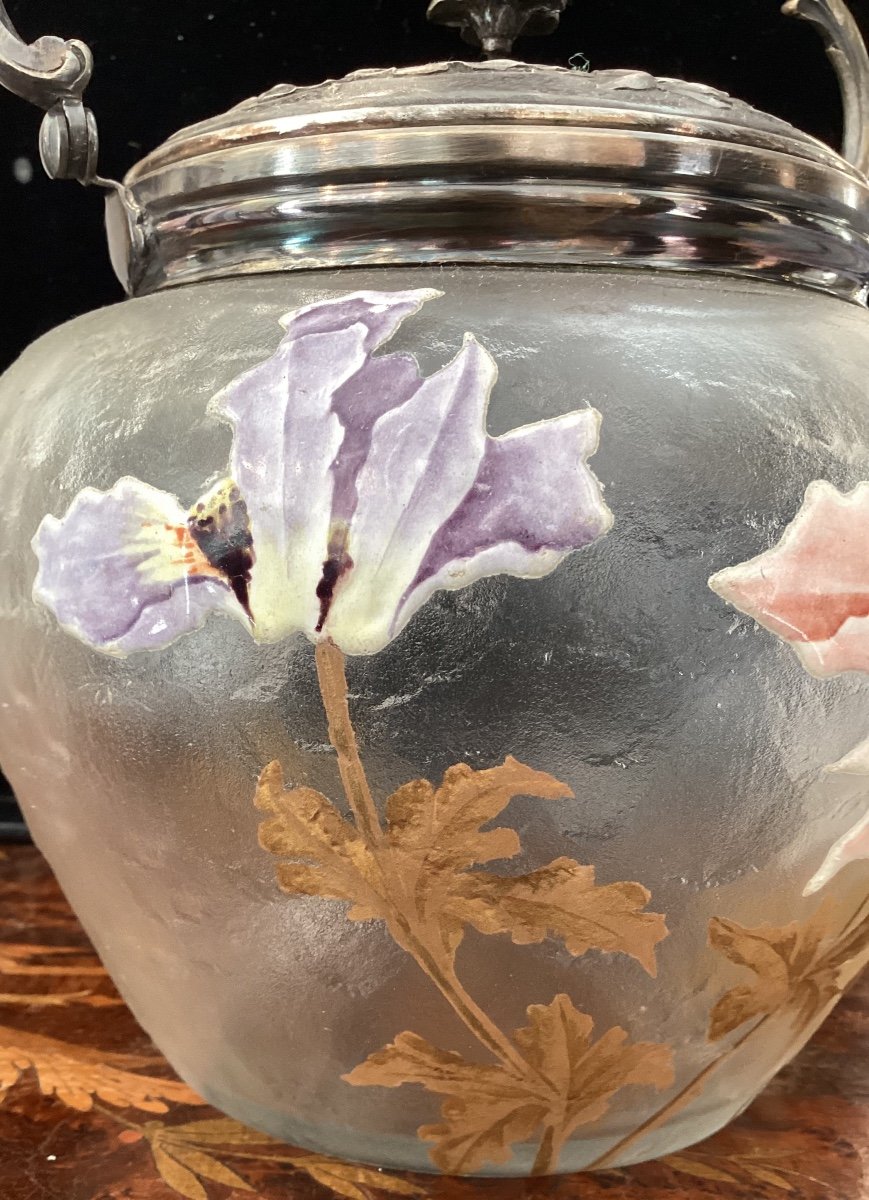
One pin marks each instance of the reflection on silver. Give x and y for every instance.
(495, 163)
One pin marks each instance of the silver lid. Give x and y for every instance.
(498, 162)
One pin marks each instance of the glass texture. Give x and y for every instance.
(694, 742)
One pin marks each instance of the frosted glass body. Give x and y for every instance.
(693, 740)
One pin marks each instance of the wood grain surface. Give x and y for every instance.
(90, 1111)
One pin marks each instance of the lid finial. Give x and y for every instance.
(494, 25)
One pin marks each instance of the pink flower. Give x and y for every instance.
(853, 845)
(812, 589)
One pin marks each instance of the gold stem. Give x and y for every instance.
(697, 1085)
(861, 913)
(688, 1093)
(481, 1026)
(547, 1156)
(333, 688)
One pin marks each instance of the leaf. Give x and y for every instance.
(557, 1042)
(435, 835)
(761, 950)
(848, 949)
(76, 1074)
(486, 1111)
(792, 974)
(350, 1180)
(411, 1059)
(413, 880)
(345, 1179)
(567, 1081)
(561, 900)
(304, 824)
(472, 1133)
(444, 825)
(180, 1178)
(698, 1169)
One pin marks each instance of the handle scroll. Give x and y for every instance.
(53, 74)
(846, 50)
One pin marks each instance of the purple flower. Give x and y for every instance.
(356, 489)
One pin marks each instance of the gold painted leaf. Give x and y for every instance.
(561, 900)
(695, 1167)
(305, 825)
(352, 1181)
(411, 1059)
(474, 1132)
(415, 879)
(442, 828)
(792, 971)
(486, 1110)
(435, 835)
(76, 1074)
(568, 1080)
(847, 952)
(557, 1042)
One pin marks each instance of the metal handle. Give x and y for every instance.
(846, 49)
(53, 75)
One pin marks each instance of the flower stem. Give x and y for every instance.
(466, 1008)
(545, 1160)
(549, 1153)
(695, 1088)
(333, 688)
(859, 916)
(688, 1093)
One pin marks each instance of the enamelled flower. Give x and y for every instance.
(812, 589)
(356, 489)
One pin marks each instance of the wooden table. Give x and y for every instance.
(90, 1111)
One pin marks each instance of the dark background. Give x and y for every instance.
(161, 64)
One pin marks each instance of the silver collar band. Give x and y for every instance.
(494, 163)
